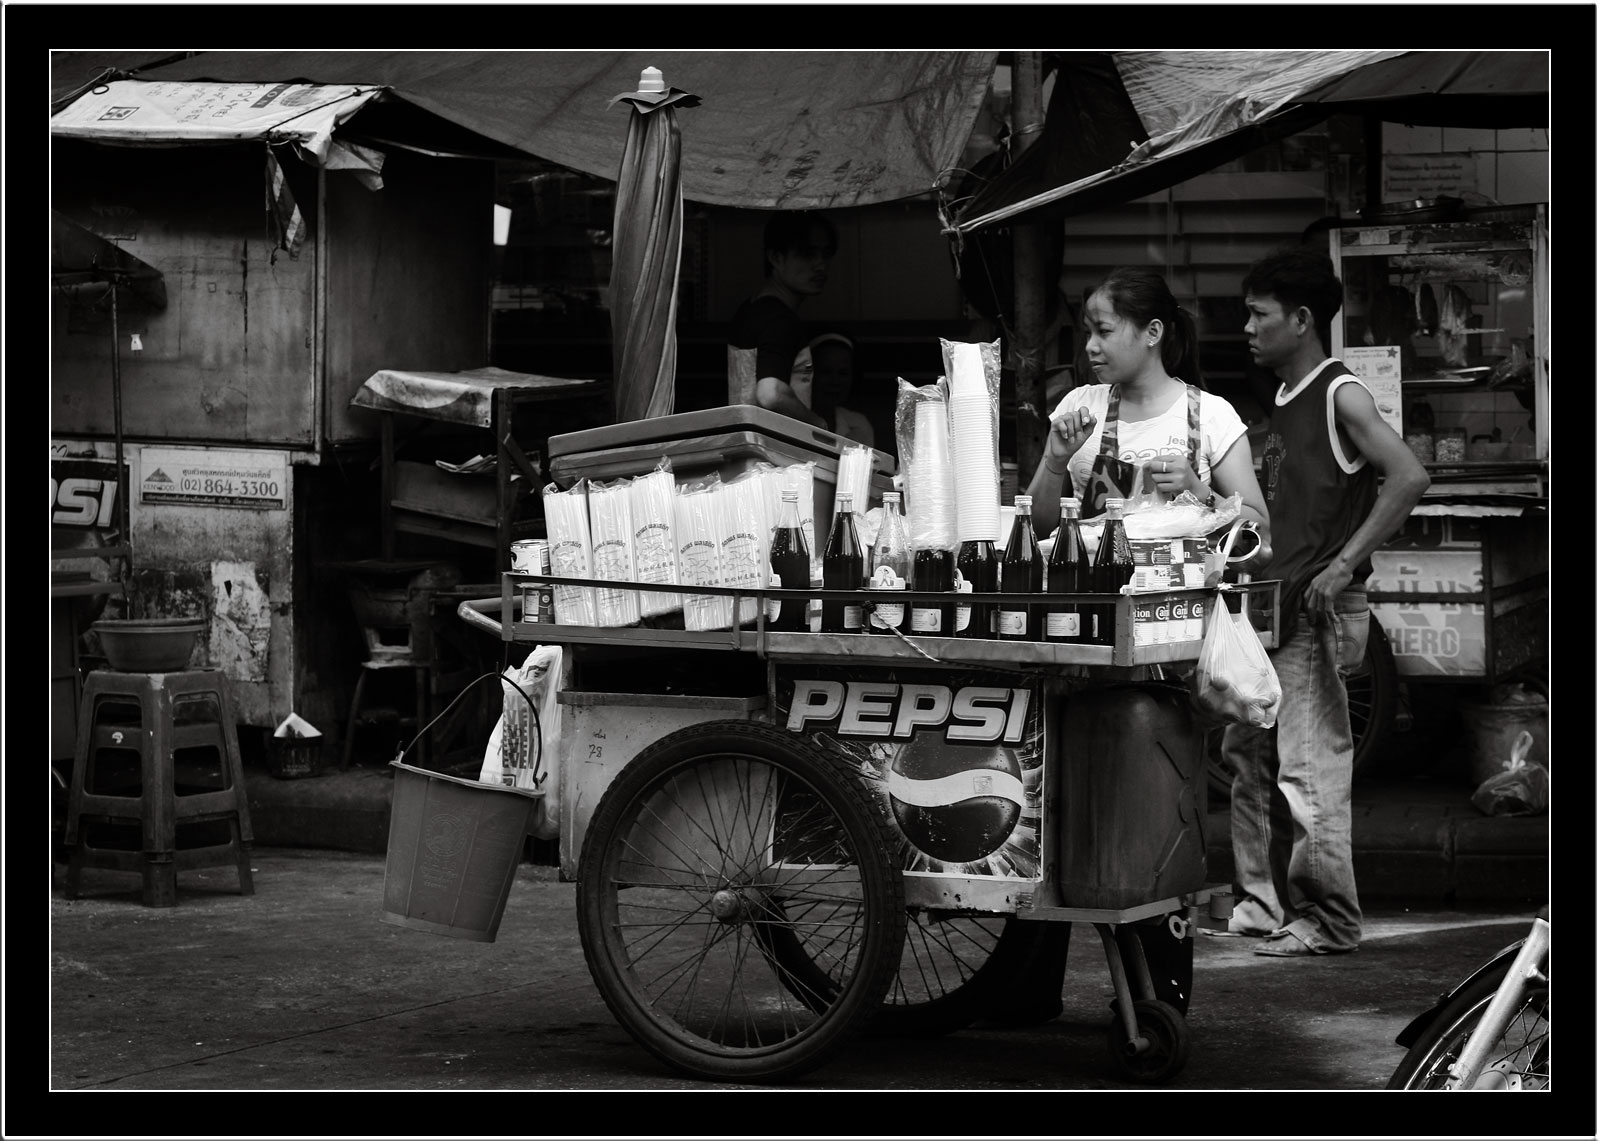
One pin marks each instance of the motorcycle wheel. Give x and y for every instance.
(1518, 1061)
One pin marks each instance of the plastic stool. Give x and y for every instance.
(164, 726)
(420, 674)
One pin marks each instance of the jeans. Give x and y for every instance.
(1291, 796)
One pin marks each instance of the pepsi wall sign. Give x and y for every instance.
(956, 758)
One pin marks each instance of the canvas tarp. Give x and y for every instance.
(1183, 113)
(804, 129)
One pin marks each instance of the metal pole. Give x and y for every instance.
(123, 538)
(1028, 284)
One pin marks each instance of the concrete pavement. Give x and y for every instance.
(302, 986)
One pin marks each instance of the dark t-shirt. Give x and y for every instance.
(773, 330)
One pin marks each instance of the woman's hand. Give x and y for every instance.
(1067, 434)
(1172, 474)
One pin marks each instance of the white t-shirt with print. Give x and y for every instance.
(1142, 440)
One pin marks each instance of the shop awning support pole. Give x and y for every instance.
(1028, 286)
(123, 488)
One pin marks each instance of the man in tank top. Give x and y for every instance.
(1339, 481)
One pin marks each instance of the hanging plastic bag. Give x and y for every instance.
(527, 754)
(1233, 678)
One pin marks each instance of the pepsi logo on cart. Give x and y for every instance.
(958, 804)
(956, 758)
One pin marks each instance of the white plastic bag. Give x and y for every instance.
(531, 757)
(1233, 679)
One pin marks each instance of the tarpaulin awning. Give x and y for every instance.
(794, 129)
(1183, 112)
(168, 111)
(1487, 89)
(1200, 109)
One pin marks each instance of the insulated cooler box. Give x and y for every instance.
(725, 440)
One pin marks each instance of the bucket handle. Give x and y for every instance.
(539, 774)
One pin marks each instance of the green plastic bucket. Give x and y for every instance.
(454, 849)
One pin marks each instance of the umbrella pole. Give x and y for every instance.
(123, 538)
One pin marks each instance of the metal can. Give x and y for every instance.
(531, 556)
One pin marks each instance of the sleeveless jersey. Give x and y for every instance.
(1313, 503)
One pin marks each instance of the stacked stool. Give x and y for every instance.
(155, 716)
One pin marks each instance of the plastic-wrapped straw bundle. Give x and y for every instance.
(798, 476)
(974, 378)
(566, 520)
(855, 476)
(697, 515)
(923, 430)
(655, 551)
(746, 536)
(611, 527)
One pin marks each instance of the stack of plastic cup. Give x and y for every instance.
(974, 446)
(930, 480)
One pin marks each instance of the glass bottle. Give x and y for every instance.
(890, 569)
(1113, 569)
(843, 561)
(791, 562)
(979, 570)
(933, 569)
(1068, 572)
(1021, 572)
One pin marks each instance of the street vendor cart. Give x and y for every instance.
(785, 838)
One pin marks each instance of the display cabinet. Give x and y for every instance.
(1445, 317)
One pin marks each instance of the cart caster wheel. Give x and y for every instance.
(1167, 1038)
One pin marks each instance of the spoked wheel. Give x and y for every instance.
(1371, 691)
(1518, 1061)
(1166, 1037)
(952, 967)
(722, 866)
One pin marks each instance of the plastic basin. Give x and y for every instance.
(147, 645)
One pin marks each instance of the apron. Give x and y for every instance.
(1112, 477)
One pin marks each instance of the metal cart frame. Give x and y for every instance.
(1149, 1038)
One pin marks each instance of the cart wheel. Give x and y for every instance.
(1168, 1042)
(720, 857)
(951, 966)
(1370, 692)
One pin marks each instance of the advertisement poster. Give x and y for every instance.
(956, 756)
(83, 493)
(216, 478)
(1378, 366)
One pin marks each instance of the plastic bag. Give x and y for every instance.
(655, 548)
(1233, 678)
(530, 756)
(1520, 789)
(922, 430)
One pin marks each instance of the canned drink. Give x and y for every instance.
(538, 602)
(531, 556)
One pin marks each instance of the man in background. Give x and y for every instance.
(766, 333)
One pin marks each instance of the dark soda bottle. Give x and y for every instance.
(1021, 572)
(889, 576)
(933, 569)
(1113, 569)
(791, 562)
(1068, 571)
(980, 569)
(843, 560)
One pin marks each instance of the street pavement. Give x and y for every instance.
(303, 987)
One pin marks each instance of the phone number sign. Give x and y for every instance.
(251, 480)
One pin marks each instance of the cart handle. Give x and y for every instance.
(475, 612)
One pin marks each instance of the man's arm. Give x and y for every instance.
(1404, 482)
(776, 395)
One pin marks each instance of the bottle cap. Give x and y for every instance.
(891, 497)
(1024, 501)
(650, 80)
(1069, 503)
(790, 493)
(845, 501)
